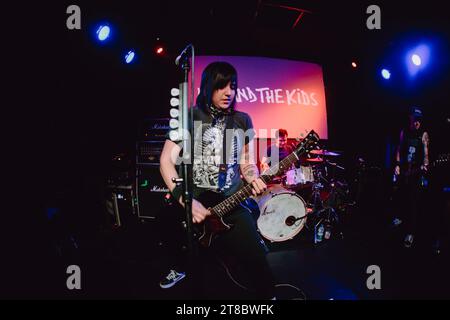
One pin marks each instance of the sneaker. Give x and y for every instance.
(437, 247)
(172, 278)
(409, 240)
(396, 222)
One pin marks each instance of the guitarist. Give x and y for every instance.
(215, 115)
(412, 160)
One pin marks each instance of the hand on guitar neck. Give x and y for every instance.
(258, 187)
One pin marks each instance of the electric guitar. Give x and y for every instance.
(441, 160)
(219, 206)
(435, 167)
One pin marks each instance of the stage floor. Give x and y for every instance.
(129, 263)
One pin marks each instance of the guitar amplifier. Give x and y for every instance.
(148, 152)
(154, 129)
(151, 192)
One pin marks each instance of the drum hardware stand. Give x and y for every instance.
(317, 202)
(333, 164)
(325, 214)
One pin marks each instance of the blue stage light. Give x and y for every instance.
(386, 74)
(416, 59)
(129, 57)
(103, 32)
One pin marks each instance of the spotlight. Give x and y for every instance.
(416, 59)
(174, 123)
(129, 57)
(160, 47)
(159, 50)
(176, 133)
(354, 65)
(174, 102)
(103, 32)
(386, 74)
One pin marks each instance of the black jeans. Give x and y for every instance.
(411, 194)
(244, 245)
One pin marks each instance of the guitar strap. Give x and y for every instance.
(229, 124)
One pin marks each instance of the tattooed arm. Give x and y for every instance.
(250, 171)
(426, 143)
(397, 154)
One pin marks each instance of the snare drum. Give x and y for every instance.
(299, 176)
(282, 214)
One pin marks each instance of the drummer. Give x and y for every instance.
(281, 148)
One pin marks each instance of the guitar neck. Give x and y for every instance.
(245, 192)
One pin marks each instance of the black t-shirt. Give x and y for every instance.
(208, 151)
(412, 150)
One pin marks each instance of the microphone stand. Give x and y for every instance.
(188, 155)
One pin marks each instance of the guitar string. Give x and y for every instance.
(226, 206)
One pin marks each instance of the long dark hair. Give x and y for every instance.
(216, 76)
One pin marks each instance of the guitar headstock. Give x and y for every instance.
(308, 143)
(441, 160)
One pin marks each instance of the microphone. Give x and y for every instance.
(182, 54)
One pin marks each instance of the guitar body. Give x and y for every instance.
(213, 225)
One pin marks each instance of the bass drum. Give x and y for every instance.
(282, 214)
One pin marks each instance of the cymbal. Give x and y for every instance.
(316, 160)
(325, 153)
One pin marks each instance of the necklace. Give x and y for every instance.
(217, 112)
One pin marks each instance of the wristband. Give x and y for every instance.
(177, 192)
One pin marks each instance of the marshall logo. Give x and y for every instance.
(158, 126)
(159, 189)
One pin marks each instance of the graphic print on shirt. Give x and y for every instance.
(207, 151)
(411, 152)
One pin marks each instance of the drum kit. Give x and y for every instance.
(306, 196)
